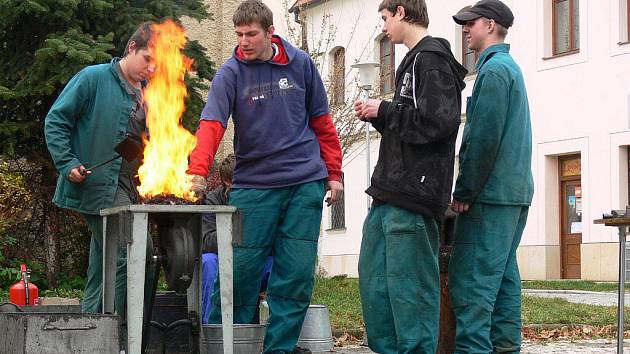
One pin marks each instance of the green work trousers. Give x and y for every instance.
(285, 223)
(484, 280)
(399, 281)
(93, 294)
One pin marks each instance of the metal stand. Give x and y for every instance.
(128, 225)
(622, 223)
(621, 289)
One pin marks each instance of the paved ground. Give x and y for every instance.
(601, 346)
(580, 296)
(566, 347)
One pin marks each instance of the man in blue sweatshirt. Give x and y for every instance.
(493, 191)
(287, 155)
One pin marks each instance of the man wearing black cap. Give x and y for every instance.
(493, 191)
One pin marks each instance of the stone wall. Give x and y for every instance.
(217, 36)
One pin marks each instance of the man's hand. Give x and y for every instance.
(78, 174)
(198, 185)
(366, 110)
(459, 207)
(335, 188)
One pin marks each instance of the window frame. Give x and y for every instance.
(571, 24)
(392, 70)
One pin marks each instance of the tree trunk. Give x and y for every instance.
(446, 342)
(53, 259)
(51, 233)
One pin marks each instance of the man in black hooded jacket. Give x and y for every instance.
(411, 186)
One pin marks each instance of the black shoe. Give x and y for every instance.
(300, 350)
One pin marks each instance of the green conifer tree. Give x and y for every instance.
(43, 43)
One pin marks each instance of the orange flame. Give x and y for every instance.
(163, 171)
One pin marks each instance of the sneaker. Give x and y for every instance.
(300, 350)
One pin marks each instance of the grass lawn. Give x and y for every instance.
(341, 296)
(536, 310)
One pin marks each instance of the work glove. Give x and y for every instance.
(198, 185)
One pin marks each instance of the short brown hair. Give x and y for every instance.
(415, 10)
(141, 37)
(502, 31)
(226, 170)
(252, 11)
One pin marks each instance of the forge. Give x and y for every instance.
(179, 230)
(169, 200)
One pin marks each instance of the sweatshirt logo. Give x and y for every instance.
(284, 84)
(407, 90)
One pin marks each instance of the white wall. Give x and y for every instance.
(280, 17)
(579, 104)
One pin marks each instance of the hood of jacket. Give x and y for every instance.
(441, 47)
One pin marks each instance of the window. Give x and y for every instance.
(469, 57)
(566, 26)
(387, 65)
(338, 213)
(338, 76)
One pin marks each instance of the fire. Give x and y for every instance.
(163, 171)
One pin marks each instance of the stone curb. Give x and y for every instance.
(574, 292)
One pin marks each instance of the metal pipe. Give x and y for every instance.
(367, 159)
(621, 289)
(366, 95)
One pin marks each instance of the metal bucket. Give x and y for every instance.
(316, 333)
(248, 338)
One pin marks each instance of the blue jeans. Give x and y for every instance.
(210, 271)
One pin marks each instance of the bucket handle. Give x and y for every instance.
(50, 327)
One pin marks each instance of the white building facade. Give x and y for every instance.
(575, 57)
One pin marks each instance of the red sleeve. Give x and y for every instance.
(209, 136)
(329, 145)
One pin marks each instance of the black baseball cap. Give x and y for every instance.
(490, 9)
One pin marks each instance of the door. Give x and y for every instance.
(571, 233)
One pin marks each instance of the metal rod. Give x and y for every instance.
(366, 94)
(136, 262)
(111, 233)
(621, 290)
(102, 163)
(226, 266)
(194, 291)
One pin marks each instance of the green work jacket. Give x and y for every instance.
(496, 152)
(86, 122)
